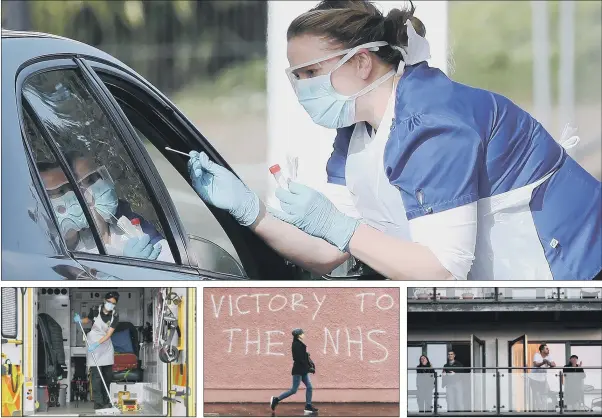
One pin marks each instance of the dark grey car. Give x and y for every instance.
(102, 106)
(62, 98)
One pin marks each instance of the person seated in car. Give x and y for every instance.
(99, 191)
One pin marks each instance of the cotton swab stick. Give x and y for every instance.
(176, 151)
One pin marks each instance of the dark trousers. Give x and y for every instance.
(99, 393)
(297, 378)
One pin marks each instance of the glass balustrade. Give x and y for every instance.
(500, 391)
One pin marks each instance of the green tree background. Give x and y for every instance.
(210, 57)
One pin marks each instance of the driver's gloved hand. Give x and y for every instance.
(140, 247)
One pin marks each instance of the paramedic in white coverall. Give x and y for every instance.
(104, 319)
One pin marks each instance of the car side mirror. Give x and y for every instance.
(212, 257)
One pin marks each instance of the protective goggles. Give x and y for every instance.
(59, 190)
(293, 72)
(88, 179)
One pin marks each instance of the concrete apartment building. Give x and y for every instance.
(496, 332)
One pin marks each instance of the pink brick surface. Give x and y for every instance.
(352, 338)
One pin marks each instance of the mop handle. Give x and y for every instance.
(96, 364)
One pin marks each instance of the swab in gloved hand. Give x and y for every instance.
(219, 187)
(176, 151)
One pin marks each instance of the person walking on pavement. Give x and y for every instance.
(302, 366)
(104, 321)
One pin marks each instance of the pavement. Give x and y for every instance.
(293, 409)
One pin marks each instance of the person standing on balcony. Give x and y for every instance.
(573, 377)
(425, 383)
(540, 389)
(453, 382)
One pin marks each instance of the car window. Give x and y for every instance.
(210, 244)
(113, 188)
(196, 217)
(64, 203)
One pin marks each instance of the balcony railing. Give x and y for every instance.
(502, 294)
(500, 391)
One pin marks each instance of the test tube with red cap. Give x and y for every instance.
(137, 226)
(278, 176)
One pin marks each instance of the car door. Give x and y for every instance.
(68, 112)
(157, 123)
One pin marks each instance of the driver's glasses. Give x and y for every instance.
(59, 191)
(89, 180)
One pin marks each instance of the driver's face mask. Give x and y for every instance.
(333, 110)
(69, 212)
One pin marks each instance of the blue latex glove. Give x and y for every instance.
(219, 187)
(140, 247)
(77, 318)
(312, 212)
(93, 347)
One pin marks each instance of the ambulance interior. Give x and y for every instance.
(45, 369)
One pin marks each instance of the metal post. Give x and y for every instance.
(498, 391)
(561, 393)
(542, 98)
(566, 74)
(436, 394)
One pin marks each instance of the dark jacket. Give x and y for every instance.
(300, 358)
(451, 379)
(569, 368)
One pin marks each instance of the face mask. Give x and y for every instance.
(105, 199)
(322, 102)
(109, 306)
(69, 213)
(332, 110)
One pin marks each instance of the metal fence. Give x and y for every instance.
(501, 294)
(498, 391)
